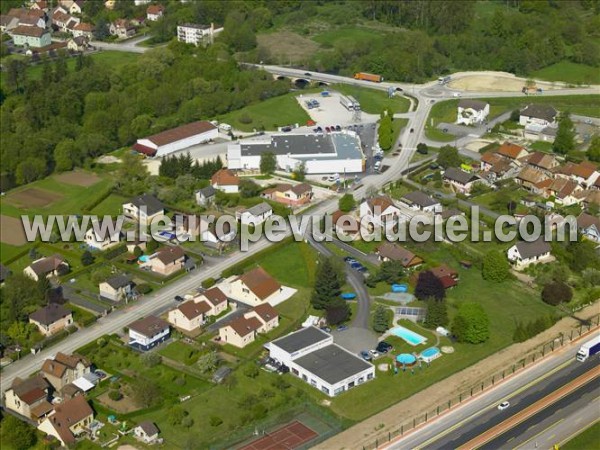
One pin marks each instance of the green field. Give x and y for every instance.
(110, 206)
(268, 115)
(335, 37)
(587, 440)
(569, 72)
(374, 101)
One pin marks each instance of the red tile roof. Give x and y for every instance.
(155, 9)
(266, 312)
(191, 309)
(169, 254)
(225, 177)
(243, 326)
(182, 132)
(26, 30)
(260, 283)
(510, 150)
(68, 414)
(215, 296)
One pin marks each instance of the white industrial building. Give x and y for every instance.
(312, 356)
(321, 153)
(176, 139)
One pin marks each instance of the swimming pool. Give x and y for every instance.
(144, 258)
(409, 336)
(431, 353)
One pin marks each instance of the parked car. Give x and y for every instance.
(315, 130)
(374, 353)
(338, 128)
(349, 258)
(365, 355)
(384, 347)
(342, 327)
(326, 329)
(319, 130)
(307, 74)
(412, 130)
(327, 129)
(378, 157)
(286, 129)
(502, 406)
(178, 298)
(445, 130)
(377, 165)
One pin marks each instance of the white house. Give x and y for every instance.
(148, 332)
(589, 226)
(459, 180)
(154, 12)
(102, 238)
(190, 315)
(255, 215)
(122, 28)
(143, 208)
(176, 139)
(254, 287)
(419, 201)
(28, 36)
(380, 211)
(312, 356)
(146, 432)
(70, 419)
(117, 288)
(524, 253)
(225, 180)
(191, 33)
(243, 330)
(50, 266)
(538, 114)
(472, 112)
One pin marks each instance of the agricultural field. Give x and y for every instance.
(568, 72)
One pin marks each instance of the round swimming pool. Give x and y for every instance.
(144, 258)
(431, 353)
(406, 359)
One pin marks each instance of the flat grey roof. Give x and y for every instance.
(334, 145)
(301, 339)
(332, 363)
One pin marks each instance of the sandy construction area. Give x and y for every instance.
(78, 178)
(32, 197)
(11, 231)
(494, 81)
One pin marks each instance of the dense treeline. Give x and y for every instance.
(66, 117)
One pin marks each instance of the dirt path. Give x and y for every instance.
(364, 433)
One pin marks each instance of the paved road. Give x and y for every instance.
(130, 46)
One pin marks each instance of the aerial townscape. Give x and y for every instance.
(300, 224)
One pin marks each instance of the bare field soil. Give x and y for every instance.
(11, 231)
(287, 47)
(32, 197)
(123, 406)
(78, 178)
(493, 82)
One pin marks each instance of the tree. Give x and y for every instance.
(448, 157)
(115, 395)
(65, 155)
(437, 313)
(29, 170)
(146, 393)
(429, 286)
(385, 131)
(16, 74)
(557, 292)
(268, 163)
(495, 267)
(328, 284)
(87, 258)
(151, 246)
(151, 359)
(564, 141)
(248, 188)
(175, 415)
(593, 152)
(471, 324)
(346, 203)
(251, 371)
(381, 319)
(390, 272)
(137, 251)
(337, 311)
(299, 172)
(515, 115)
(16, 434)
(208, 362)
(422, 148)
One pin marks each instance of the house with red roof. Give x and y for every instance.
(254, 287)
(29, 397)
(176, 139)
(154, 12)
(380, 211)
(244, 330)
(70, 420)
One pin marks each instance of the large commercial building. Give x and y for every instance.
(321, 153)
(312, 356)
(176, 139)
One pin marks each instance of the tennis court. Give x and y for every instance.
(291, 436)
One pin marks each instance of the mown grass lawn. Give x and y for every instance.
(181, 352)
(569, 72)
(587, 440)
(110, 206)
(270, 114)
(374, 101)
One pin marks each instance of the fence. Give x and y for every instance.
(537, 354)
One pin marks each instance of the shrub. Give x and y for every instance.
(187, 422)
(101, 342)
(245, 118)
(151, 359)
(115, 395)
(143, 288)
(208, 283)
(251, 371)
(556, 293)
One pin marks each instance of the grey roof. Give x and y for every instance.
(50, 314)
(149, 428)
(420, 198)
(305, 146)
(152, 204)
(221, 374)
(301, 339)
(477, 105)
(533, 249)
(119, 281)
(260, 209)
(332, 363)
(208, 191)
(539, 111)
(460, 176)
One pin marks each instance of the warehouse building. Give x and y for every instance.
(312, 356)
(176, 139)
(321, 153)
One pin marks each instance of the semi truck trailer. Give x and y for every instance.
(368, 77)
(589, 349)
(346, 102)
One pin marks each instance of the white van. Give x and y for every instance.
(225, 127)
(377, 165)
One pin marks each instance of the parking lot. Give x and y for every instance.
(331, 112)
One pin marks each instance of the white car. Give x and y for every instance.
(374, 353)
(502, 406)
(457, 94)
(377, 165)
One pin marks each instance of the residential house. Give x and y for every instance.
(394, 252)
(122, 28)
(541, 161)
(40, 6)
(78, 44)
(70, 420)
(8, 23)
(154, 12)
(148, 332)
(144, 209)
(190, 315)
(488, 160)
(255, 287)
(564, 191)
(64, 369)
(512, 151)
(28, 36)
(206, 196)
(84, 29)
(196, 34)
(451, 213)
(379, 211)
(216, 299)
(243, 330)
(345, 224)
(419, 201)
(51, 318)
(290, 195)
(225, 180)
(530, 178)
(447, 275)
(117, 288)
(64, 22)
(538, 114)
(589, 226)
(168, 260)
(585, 173)
(27, 17)
(72, 6)
(524, 253)
(29, 397)
(471, 112)
(50, 266)
(102, 236)
(255, 215)
(460, 181)
(146, 432)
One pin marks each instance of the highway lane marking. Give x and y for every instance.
(537, 434)
(493, 404)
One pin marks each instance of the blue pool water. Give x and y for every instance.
(144, 258)
(409, 336)
(429, 352)
(406, 358)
